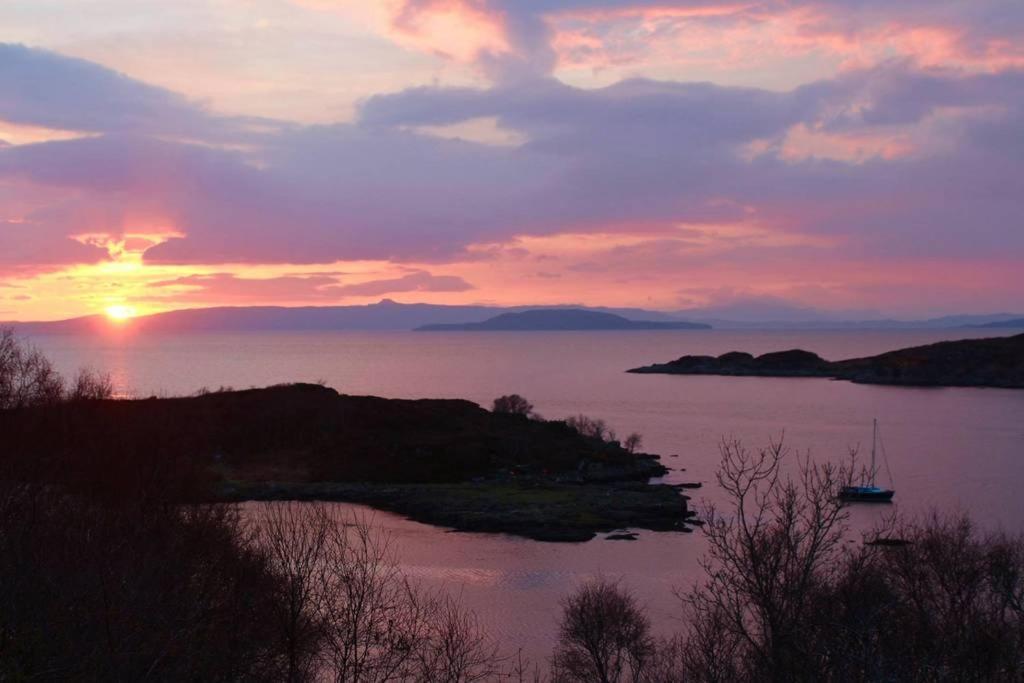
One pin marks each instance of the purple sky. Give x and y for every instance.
(857, 155)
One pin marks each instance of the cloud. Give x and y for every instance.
(27, 247)
(645, 153)
(892, 164)
(230, 288)
(421, 281)
(43, 88)
(529, 38)
(320, 287)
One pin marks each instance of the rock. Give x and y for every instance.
(621, 537)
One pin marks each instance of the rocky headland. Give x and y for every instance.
(992, 362)
(445, 462)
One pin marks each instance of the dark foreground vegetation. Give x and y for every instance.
(995, 362)
(110, 576)
(788, 597)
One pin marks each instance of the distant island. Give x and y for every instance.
(992, 362)
(558, 319)
(1016, 323)
(445, 462)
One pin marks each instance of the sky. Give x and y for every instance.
(859, 156)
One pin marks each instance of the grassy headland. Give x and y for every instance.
(447, 462)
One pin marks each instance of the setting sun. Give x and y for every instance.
(120, 312)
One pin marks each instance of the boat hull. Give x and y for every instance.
(865, 494)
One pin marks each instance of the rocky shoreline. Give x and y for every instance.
(541, 511)
(994, 362)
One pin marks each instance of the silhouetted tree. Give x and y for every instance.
(90, 385)
(769, 554)
(785, 600)
(347, 613)
(944, 604)
(592, 427)
(604, 636)
(513, 404)
(27, 378)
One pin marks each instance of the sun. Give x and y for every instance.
(120, 312)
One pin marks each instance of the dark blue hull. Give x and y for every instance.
(865, 494)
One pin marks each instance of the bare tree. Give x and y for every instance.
(588, 426)
(296, 538)
(513, 404)
(633, 442)
(372, 612)
(27, 378)
(90, 385)
(768, 556)
(949, 601)
(348, 614)
(604, 636)
(456, 649)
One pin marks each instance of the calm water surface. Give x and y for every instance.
(952, 449)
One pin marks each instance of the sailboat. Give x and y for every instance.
(868, 493)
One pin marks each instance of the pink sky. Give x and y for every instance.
(847, 155)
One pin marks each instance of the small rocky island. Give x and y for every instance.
(993, 362)
(561, 319)
(445, 462)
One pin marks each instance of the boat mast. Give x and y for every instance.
(874, 441)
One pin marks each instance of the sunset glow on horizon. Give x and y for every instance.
(120, 313)
(857, 157)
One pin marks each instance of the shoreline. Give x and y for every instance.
(538, 510)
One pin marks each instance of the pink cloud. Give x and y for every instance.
(897, 164)
(535, 36)
(229, 287)
(420, 281)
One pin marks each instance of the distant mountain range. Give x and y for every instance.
(390, 315)
(384, 315)
(552, 319)
(1012, 323)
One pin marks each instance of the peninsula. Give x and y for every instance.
(445, 462)
(560, 319)
(992, 362)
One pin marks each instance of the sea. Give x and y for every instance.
(946, 450)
